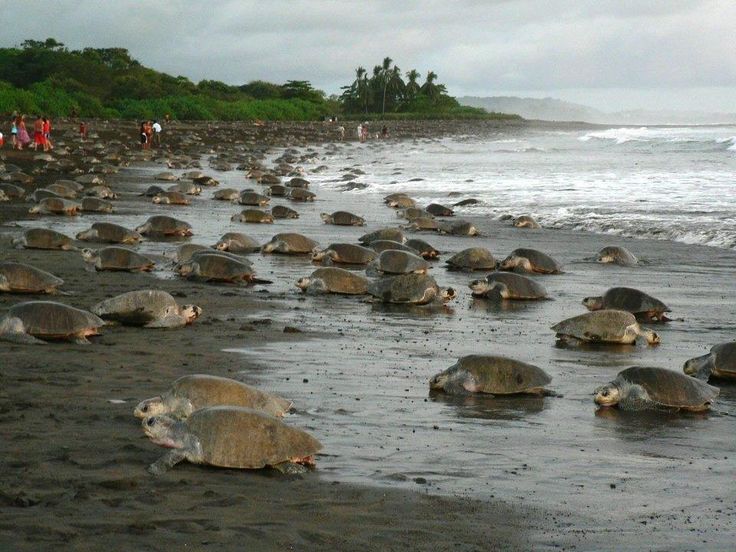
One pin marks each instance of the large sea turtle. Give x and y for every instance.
(117, 259)
(283, 212)
(526, 221)
(56, 206)
(379, 246)
(417, 289)
(509, 286)
(171, 198)
(604, 326)
(291, 244)
(107, 232)
(43, 238)
(645, 388)
(34, 322)
(530, 261)
(255, 216)
(217, 267)
(96, 205)
(161, 225)
(24, 278)
(473, 258)
(185, 251)
(334, 280)
(230, 437)
(150, 308)
(300, 194)
(344, 253)
(226, 194)
(423, 248)
(495, 375)
(392, 234)
(195, 391)
(253, 198)
(236, 242)
(393, 261)
(342, 218)
(458, 228)
(719, 363)
(643, 306)
(617, 255)
(439, 210)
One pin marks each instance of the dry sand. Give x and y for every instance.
(74, 458)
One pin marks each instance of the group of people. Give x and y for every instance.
(20, 138)
(150, 133)
(363, 132)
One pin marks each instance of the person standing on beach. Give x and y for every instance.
(149, 134)
(364, 132)
(156, 133)
(360, 131)
(38, 134)
(14, 133)
(143, 135)
(47, 145)
(23, 138)
(83, 129)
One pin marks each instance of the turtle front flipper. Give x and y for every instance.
(290, 468)
(167, 461)
(171, 321)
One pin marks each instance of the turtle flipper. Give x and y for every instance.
(166, 462)
(22, 338)
(171, 321)
(290, 468)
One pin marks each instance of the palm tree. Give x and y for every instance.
(412, 87)
(395, 86)
(385, 73)
(429, 88)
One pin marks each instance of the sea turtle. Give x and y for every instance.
(418, 289)
(230, 437)
(617, 255)
(379, 246)
(342, 218)
(277, 190)
(217, 267)
(62, 190)
(117, 259)
(298, 182)
(509, 286)
(189, 188)
(344, 253)
(466, 202)
(393, 261)
(56, 206)
(525, 221)
(334, 280)
(401, 201)
(161, 225)
(392, 234)
(185, 251)
(290, 243)
(107, 232)
(255, 216)
(423, 248)
(439, 210)
(458, 228)
(604, 326)
(39, 194)
(101, 192)
(530, 261)
(226, 194)
(413, 213)
(252, 198)
(643, 306)
(153, 191)
(89, 179)
(171, 198)
(196, 391)
(96, 205)
(166, 177)
(646, 388)
(205, 180)
(283, 212)
(12, 191)
(151, 308)
(268, 178)
(43, 238)
(237, 243)
(423, 224)
(495, 375)
(300, 194)
(34, 322)
(473, 258)
(24, 278)
(719, 363)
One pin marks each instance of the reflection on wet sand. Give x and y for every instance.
(490, 407)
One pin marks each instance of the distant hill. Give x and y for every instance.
(551, 109)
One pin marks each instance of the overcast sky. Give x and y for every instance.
(610, 54)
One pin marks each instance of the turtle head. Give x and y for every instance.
(327, 219)
(237, 217)
(143, 228)
(165, 431)
(447, 294)
(89, 255)
(651, 336)
(84, 234)
(150, 407)
(479, 287)
(700, 367)
(439, 381)
(187, 268)
(317, 256)
(4, 283)
(509, 263)
(303, 283)
(607, 395)
(18, 243)
(190, 312)
(223, 245)
(270, 246)
(606, 255)
(157, 199)
(593, 303)
(34, 210)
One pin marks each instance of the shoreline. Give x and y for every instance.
(80, 459)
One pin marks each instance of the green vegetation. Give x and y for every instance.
(44, 77)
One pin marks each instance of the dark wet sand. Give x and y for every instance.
(73, 468)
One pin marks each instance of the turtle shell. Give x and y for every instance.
(23, 278)
(238, 243)
(136, 308)
(253, 198)
(423, 249)
(203, 390)
(43, 238)
(518, 287)
(725, 360)
(392, 234)
(96, 205)
(540, 262)
(290, 242)
(217, 267)
(439, 210)
(52, 320)
(339, 280)
(255, 216)
(459, 228)
(107, 232)
(236, 437)
(669, 388)
(406, 288)
(632, 300)
(122, 258)
(500, 375)
(393, 261)
(379, 246)
(617, 255)
(226, 194)
(345, 218)
(603, 326)
(300, 194)
(349, 253)
(58, 206)
(163, 225)
(185, 251)
(473, 258)
(283, 212)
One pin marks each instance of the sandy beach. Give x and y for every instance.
(401, 469)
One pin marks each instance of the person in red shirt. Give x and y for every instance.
(38, 134)
(47, 145)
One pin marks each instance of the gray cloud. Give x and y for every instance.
(476, 47)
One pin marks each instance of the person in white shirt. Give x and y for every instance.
(156, 133)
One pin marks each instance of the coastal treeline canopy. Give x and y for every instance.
(45, 77)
